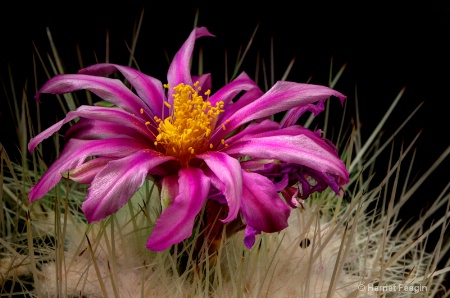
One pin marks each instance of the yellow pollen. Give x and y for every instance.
(187, 131)
(141, 111)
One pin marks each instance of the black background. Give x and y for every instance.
(386, 47)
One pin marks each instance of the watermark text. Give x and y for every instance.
(412, 288)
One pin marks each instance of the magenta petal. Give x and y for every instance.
(304, 149)
(204, 81)
(75, 153)
(149, 89)
(254, 129)
(283, 96)
(176, 222)
(116, 183)
(48, 132)
(110, 90)
(293, 115)
(88, 129)
(261, 207)
(226, 94)
(179, 70)
(250, 236)
(116, 116)
(226, 178)
(112, 115)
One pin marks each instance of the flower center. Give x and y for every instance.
(187, 131)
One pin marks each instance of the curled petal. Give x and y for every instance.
(254, 129)
(116, 183)
(228, 92)
(305, 149)
(227, 95)
(110, 90)
(226, 177)
(179, 70)
(75, 153)
(293, 115)
(47, 133)
(88, 129)
(149, 89)
(250, 236)
(116, 116)
(177, 221)
(113, 115)
(261, 207)
(283, 96)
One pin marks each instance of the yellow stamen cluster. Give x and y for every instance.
(188, 130)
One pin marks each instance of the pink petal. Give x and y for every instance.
(180, 67)
(110, 90)
(47, 133)
(113, 115)
(253, 129)
(228, 92)
(261, 207)
(204, 82)
(75, 153)
(149, 89)
(88, 129)
(302, 149)
(250, 236)
(293, 115)
(176, 222)
(116, 183)
(226, 177)
(283, 96)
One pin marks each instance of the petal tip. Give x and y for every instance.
(154, 246)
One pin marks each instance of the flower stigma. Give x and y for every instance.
(187, 131)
